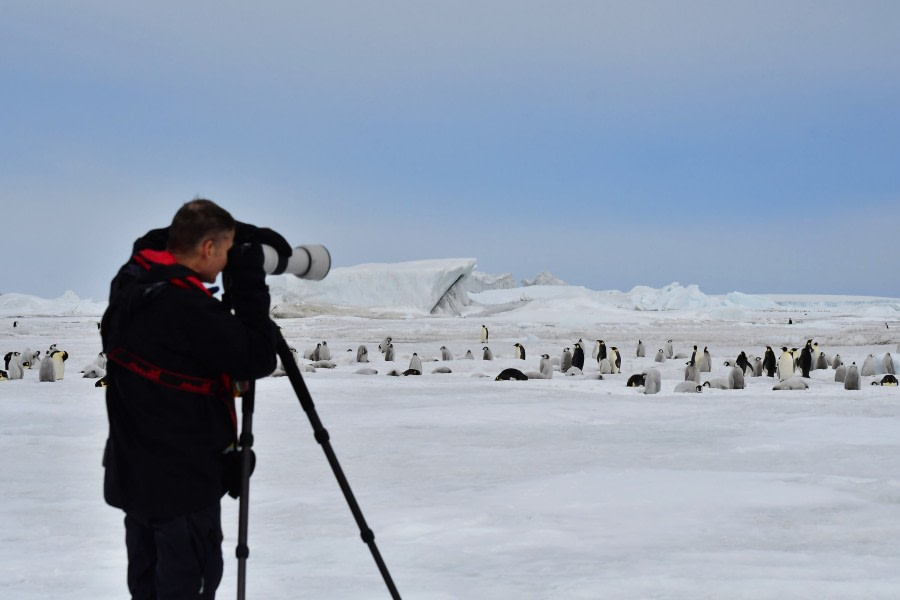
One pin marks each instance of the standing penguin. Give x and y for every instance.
(484, 334)
(840, 373)
(565, 362)
(445, 354)
(821, 361)
(806, 359)
(785, 364)
(362, 354)
(737, 376)
(640, 349)
(487, 354)
(519, 351)
(836, 361)
(578, 357)
(868, 368)
(758, 366)
(660, 356)
(389, 352)
(615, 360)
(652, 382)
(415, 363)
(601, 350)
(696, 356)
(706, 362)
(670, 349)
(889, 364)
(691, 372)
(743, 362)
(545, 366)
(14, 368)
(324, 352)
(851, 379)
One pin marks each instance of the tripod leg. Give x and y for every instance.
(321, 435)
(242, 551)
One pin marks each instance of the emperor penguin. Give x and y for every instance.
(688, 387)
(389, 353)
(546, 367)
(362, 354)
(769, 362)
(706, 361)
(691, 372)
(578, 356)
(484, 334)
(815, 356)
(696, 356)
(314, 355)
(519, 351)
(794, 383)
(889, 364)
(601, 350)
(743, 362)
(636, 380)
(785, 364)
(806, 359)
(8, 358)
(445, 353)
(653, 381)
(889, 379)
(14, 366)
(93, 372)
(660, 356)
(383, 346)
(324, 352)
(737, 376)
(45, 373)
(836, 361)
(851, 380)
(840, 373)
(4, 376)
(821, 361)
(640, 353)
(487, 354)
(757, 367)
(565, 361)
(615, 360)
(868, 368)
(469, 355)
(415, 363)
(670, 349)
(510, 374)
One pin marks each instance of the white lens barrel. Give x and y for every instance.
(308, 261)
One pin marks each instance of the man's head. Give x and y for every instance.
(200, 236)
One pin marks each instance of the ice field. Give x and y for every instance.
(567, 488)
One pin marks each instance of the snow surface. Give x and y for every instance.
(571, 487)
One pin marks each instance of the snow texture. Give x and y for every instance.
(573, 487)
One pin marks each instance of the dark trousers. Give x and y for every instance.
(177, 558)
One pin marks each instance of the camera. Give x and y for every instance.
(307, 261)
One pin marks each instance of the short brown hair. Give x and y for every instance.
(195, 221)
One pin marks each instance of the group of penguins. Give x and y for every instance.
(790, 361)
(609, 361)
(51, 367)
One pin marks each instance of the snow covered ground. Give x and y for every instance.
(568, 488)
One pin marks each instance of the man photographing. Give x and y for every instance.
(174, 352)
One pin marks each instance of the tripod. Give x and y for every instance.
(321, 435)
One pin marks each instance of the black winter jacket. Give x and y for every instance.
(173, 350)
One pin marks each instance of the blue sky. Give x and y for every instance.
(750, 146)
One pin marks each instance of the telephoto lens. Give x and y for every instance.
(308, 261)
